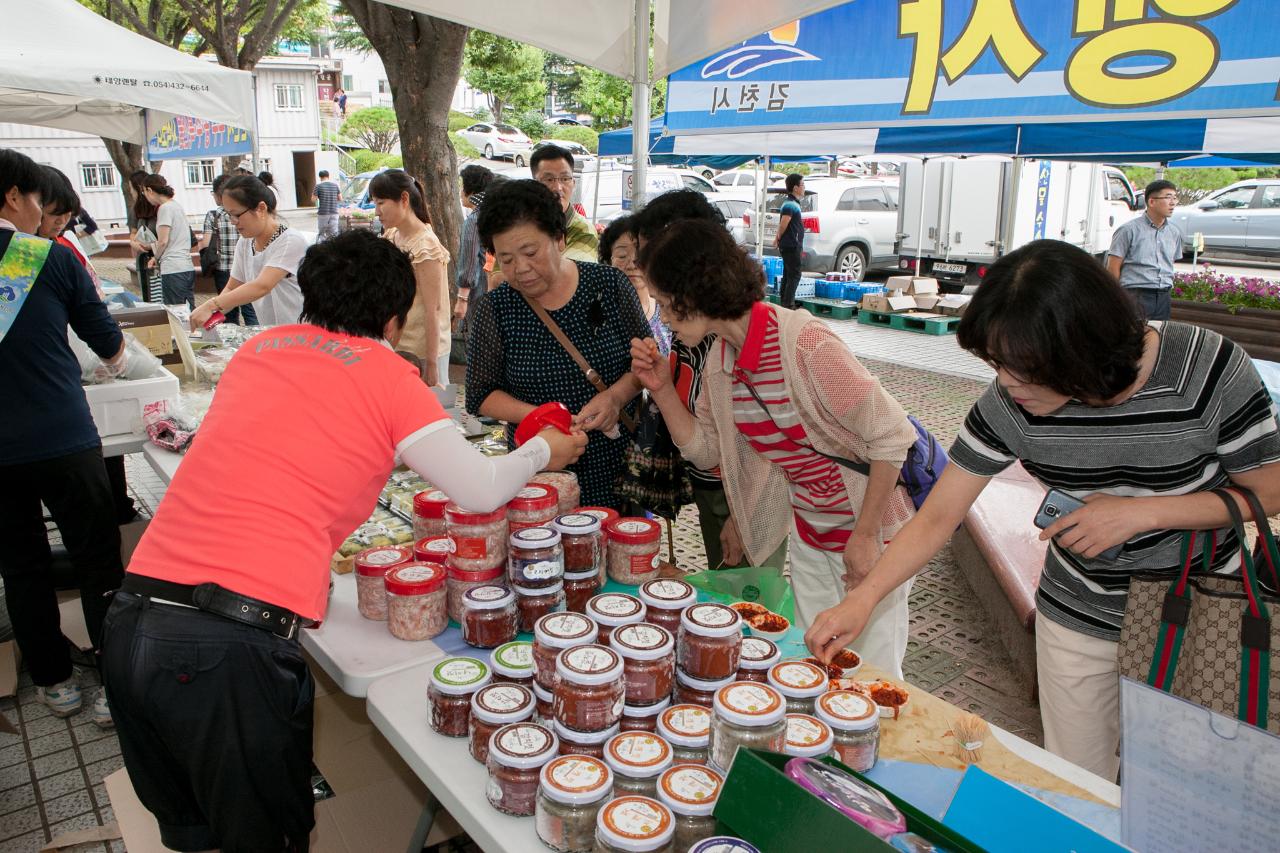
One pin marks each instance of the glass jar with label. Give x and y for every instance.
(572, 790)
(517, 754)
(489, 616)
(460, 582)
(758, 655)
(688, 729)
(589, 688)
(855, 721)
(543, 707)
(566, 485)
(535, 505)
(492, 707)
(453, 682)
(637, 759)
(710, 641)
(649, 659)
(611, 610)
(666, 599)
(581, 587)
(634, 825)
(800, 682)
(433, 549)
(746, 714)
(692, 691)
(807, 737)
(583, 743)
(428, 513)
(535, 558)
(604, 514)
(416, 601)
(372, 565)
(633, 550)
(643, 718)
(691, 792)
(479, 538)
(533, 604)
(583, 542)
(553, 633)
(512, 663)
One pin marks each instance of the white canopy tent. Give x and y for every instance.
(64, 66)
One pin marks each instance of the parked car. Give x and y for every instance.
(1242, 220)
(738, 178)
(566, 120)
(583, 159)
(850, 224)
(499, 141)
(733, 210)
(864, 167)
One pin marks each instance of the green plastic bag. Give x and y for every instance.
(762, 584)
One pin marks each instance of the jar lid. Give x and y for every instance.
(376, 562)
(723, 844)
(576, 779)
(430, 504)
(454, 514)
(561, 630)
(748, 703)
(535, 538)
(500, 704)
(635, 824)
(487, 597)
(711, 620)
(667, 594)
(642, 641)
(528, 592)
(647, 710)
(591, 664)
(690, 789)
(542, 695)
(634, 531)
(616, 608)
(577, 524)
(589, 738)
(857, 800)
(606, 515)
(460, 676)
(686, 725)
(638, 755)
(514, 659)
(473, 577)
(534, 497)
(847, 711)
(689, 681)
(593, 572)
(523, 745)
(798, 679)
(433, 549)
(758, 653)
(808, 736)
(415, 579)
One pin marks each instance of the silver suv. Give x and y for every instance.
(850, 225)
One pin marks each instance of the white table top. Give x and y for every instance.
(355, 651)
(164, 462)
(1105, 791)
(125, 442)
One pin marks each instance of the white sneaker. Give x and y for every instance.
(63, 699)
(102, 713)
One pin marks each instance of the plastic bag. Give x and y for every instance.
(762, 584)
(172, 424)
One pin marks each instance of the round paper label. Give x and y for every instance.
(692, 784)
(502, 698)
(756, 649)
(749, 698)
(668, 590)
(633, 527)
(567, 626)
(383, 557)
(577, 519)
(799, 675)
(459, 671)
(615, 604)
(533, 492)
(636, 818)
(413, 574)
(517, 655)
(591, 659)
(437, 496)
(847, 705)
(441, 545)
(712, 615)
(522, 740)
(690, 721)
(534, 535)
(598, 514)
(577, 774)
(803, 730)
(486, 593)
(641, 637)
(639, 749)
(542, 571)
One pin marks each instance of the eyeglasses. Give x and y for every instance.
(1164, 198)
(622, 254)
(552, 180)
(235, 216)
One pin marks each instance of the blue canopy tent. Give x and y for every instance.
(617, 143)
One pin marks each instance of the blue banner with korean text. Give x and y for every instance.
(185, 137)
(878, 63)
(1042, 198)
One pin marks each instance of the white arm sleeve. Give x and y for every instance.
(475, 482)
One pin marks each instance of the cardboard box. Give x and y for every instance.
(927, 303)
(954, 305)
(876, 302)
(898, 282)
(149, 324)
(901, 303)
(923, 287)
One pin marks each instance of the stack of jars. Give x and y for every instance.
(453, 683)
(372, 565)
(479, 552)
(535, 568)
(709, 650)
(536, 505)
(649, 662)
(584, 555)
(489, 616)
(666, 599)
(428, 514)
(513, 663)
(633, 550)
(553, 634)
(492, 707)
(517, 754)
(613, 610)
(589, 690)
(433, 549)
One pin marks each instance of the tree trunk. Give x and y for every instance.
(423, 59)
(127, 157)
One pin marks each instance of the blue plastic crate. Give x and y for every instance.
(830, 289)
(855, 292)
(772, 266)
(806, 288)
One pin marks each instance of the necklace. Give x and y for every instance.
(280, 229)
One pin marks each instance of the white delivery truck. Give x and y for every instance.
(959, 215)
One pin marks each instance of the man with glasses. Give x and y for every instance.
(1144, 249)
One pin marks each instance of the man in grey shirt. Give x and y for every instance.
(1144, 249)
(327, 195)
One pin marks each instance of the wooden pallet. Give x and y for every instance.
(836, 309)
(926, 324)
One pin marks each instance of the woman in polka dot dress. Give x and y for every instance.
(514, 364)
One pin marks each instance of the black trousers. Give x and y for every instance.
(215, 724)
(1153, 302)
(790, 276)
(77, 492)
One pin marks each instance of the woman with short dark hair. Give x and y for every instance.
(1139, 420)
(783, 402)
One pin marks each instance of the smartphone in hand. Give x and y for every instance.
(1057, 505)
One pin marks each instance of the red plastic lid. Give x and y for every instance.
(475, 577)
(634, 531)
(606, 515)
(455, 514)
(372, 562)
(547, 415)
(433, 549)
(534, 497)
(415, 579)
(430, 504)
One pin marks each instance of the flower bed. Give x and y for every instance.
(1234, 292)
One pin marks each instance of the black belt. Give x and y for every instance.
(212, 598)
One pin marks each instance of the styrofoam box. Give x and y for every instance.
(117, 406)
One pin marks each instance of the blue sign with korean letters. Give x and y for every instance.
(184, 137)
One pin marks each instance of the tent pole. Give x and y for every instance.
(257, 161)
(762, 202)
(595, 195)
(924, 184)
(640, 105)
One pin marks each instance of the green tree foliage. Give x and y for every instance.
(532, 122)
(581, 135)
(374, 127)
(346, 33)
(608, 98)
(508, 72)
(460, 121)
(464, 149)
(1195, 184)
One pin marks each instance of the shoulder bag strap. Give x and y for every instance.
(1255, 631)
(1266, 548)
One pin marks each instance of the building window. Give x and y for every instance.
(348, 82)
(383, 87)
(200, 173)
(289, 96)
(97, 176)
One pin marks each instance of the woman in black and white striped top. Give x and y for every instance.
(1140, 420)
